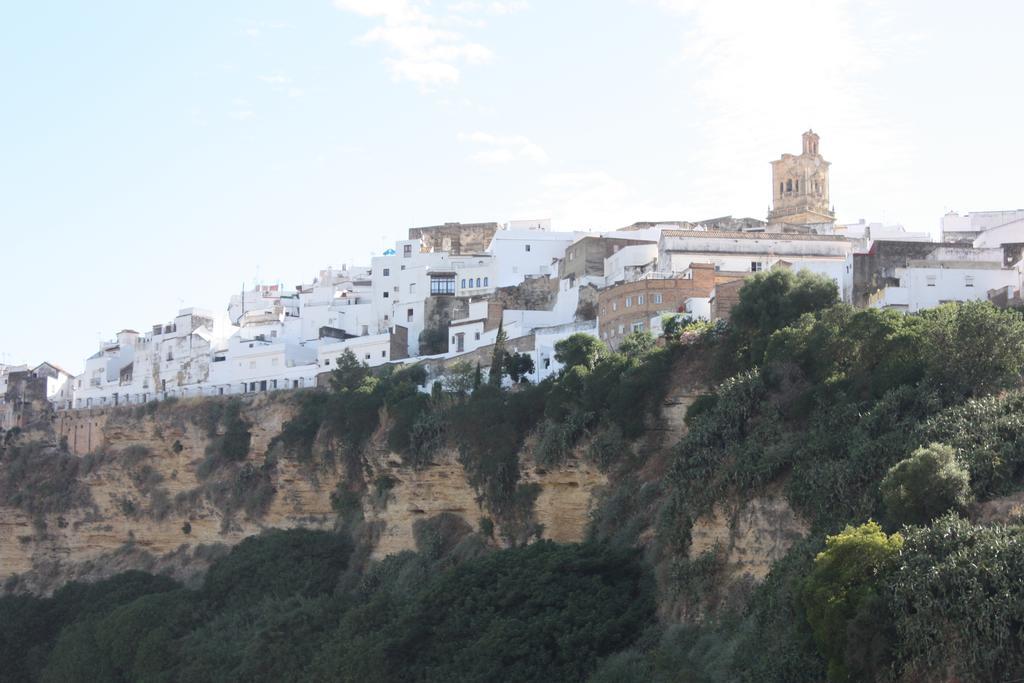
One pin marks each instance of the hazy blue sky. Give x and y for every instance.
(159, 154)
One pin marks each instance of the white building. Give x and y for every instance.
(829, 255)
(947, 274)
(520, 254)
(966, 229)
(628, 262)
(864, 233)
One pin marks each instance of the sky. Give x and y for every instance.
(163, 154)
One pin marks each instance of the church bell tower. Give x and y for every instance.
(800, 187)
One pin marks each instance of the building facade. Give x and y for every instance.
(800, 194)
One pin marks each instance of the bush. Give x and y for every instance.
(41, 480)
(929, 483)
(229, 445)
(770, 301)
(427, 436)
(608, 447)
(580, 349)
(637, 344)
(957, 602)
(841, 595)
(544, 612)
(280, 564)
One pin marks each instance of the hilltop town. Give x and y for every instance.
(443, 296)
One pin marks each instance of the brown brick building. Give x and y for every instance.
(629, 307)
(724, 297)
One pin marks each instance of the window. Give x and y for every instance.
(789, 185)
(527, 247)
(387, 271)
(406, 250)
(396, 289)
(756, 266)
(442, 284)
(485, 282)
(384, 354)
(640, 300)
(273, 333)
(403, 267)
(408, 315)
(629, 301)
(620, 329)
(366, 329)
(572, 255)
(476, 336)
(367, 356)
(780, 189)
(386, 295)
(657, 298)
(478, 282)
(386, 316)
(796, 185)
(327, 361)
(412, 287)
(463, 283)
(615, 305)
(638, 326)
(968, 281)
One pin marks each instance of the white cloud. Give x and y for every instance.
(763, 72)
(424, 48)
(497, 149)
(493, 7)
(508, 7)
(276, 78)
(593, 200)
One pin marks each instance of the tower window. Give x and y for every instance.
(789, 185)
(781, 189)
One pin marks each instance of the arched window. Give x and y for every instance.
(478, 282)
(789, 185)
(796, 186)
(485, 282)
(463, 283)
(781, 189)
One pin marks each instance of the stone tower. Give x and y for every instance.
(800, 187)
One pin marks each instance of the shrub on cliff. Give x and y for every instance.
(770, 301)
(929, 483)
(843, 602)
(41, 480)
(543, 612)
(277, 563)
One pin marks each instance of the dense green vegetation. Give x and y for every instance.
(287, 606)
(886, 433)
(858, 415)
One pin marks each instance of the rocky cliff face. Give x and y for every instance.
(133, 494)
(150, 508)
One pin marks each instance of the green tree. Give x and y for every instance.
(770, 301)
(349, 372)
(518, 366)
(841, 596)
(460, 378)
(929, 483)
(580, 349)
(973, 348)
(637, 344)
(498, 357)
